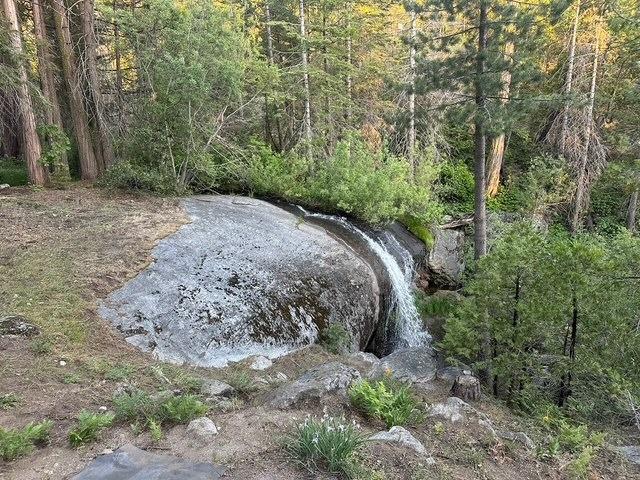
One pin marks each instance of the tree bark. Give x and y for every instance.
(480, 211)
(569, 78)
(305, 80)
(496, 154)
(32, 149)
(47, 79)
(581, 188)
(466, 387)
(632, 211)
(88, 162)
(412, 90)
(90, 49)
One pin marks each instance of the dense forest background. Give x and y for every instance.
(417, 111)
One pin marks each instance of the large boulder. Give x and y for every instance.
(416, 365)
(131, 463)
(400, 436)
(245, 277)
(445, 263)
(333, 377)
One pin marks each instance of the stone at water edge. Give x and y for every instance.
(131, 463)
(260, 363)
(313, 385)
(415, 365)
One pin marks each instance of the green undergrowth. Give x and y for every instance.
(89, 426)
(393, 403)
(15, 443)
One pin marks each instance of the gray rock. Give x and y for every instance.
(216, 388)
(630, 452)
(519, 437)
(314, 384)
(245, 277)
(260, 363)
(448, 374)
(202, 430)
(402, 437)
(453, 410)
(131, 463)
(415, 365)
(162, 396)
(446, 259)
(4, 185)
(17, 325)
(367, 358)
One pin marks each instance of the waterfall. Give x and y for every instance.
(409, 329)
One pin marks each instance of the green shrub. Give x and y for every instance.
(13, 172)
(89, 426)
(41, 346)
(242, 382)
(456, 187)
(393, 404)
(327, 444)
(181, 409)
(141, 408)
(435, 306)
(335, 339)
(131, 176)
(9, 400)
(17, 443)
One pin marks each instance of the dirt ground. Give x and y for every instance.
(63, 250)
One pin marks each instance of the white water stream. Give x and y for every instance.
(409, 328)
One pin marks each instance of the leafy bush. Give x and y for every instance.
(13, 172)
(335, 339)
(327, 444)
(393, 404)
(456, 187)
(9, 400)
(141, 408)
(374, 186)
(132, 176)
(181, 409)
(17, 443)
(89, 427)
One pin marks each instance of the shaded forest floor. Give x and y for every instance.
(63, 250)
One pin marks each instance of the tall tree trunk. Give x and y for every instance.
(88, 162)
(480, 211)
(118, 66)
(582, 187)
(90, 53)
(305, 80)
(496, 153)
(32, 149)
(568, 86)
(632, 211)
(412, 90)
(47, 80)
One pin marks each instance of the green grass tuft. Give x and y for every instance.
(89, 427)
(9, 400)
(393, 404)
(18, 443)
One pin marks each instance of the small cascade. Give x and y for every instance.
(409, 329)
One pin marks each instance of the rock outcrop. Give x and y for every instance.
(129, 462)
(245, 277)
(415, 365)
(333, 377)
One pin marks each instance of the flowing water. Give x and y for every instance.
(408, 324)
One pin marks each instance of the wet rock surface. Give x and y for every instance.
(131, 463)
(245, 277)
(314, 384)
